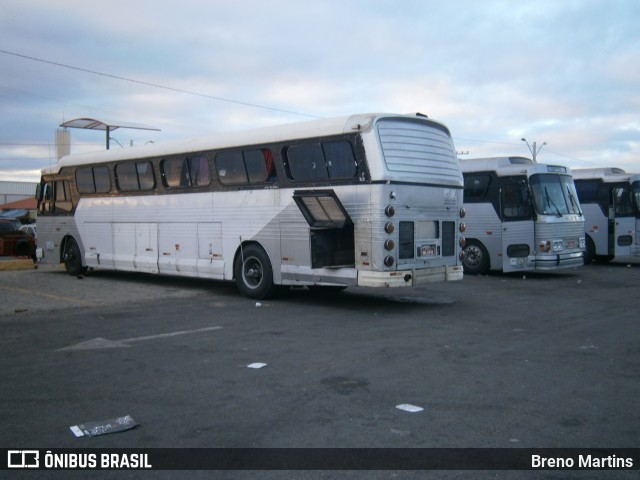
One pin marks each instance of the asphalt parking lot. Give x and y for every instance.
(513, 361)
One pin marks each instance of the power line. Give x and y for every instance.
(155, 85)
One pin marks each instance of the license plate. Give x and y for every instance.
(571, 244)
(428, 251)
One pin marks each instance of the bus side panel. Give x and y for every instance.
(515, 234)
(624, 228)
(210, 263)
(94, 219)
(52, 231)
(296, 253)
(596, 225)
(484, 225)
(177, 248)
(124, 243)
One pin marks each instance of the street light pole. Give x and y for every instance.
(534, 151)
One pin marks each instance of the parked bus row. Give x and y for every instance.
(365, 200)
(610, 199)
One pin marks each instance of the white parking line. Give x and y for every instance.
(99, 342)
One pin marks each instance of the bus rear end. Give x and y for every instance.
(414, 232)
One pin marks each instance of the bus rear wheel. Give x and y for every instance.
(476, 258)
(72, 258)
(253, 272)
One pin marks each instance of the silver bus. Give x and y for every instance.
(610, 198)
(369, 200)
(521, 216)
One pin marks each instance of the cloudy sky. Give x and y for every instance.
(564, 72)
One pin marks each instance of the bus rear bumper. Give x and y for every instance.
(410, 278)
(554, 262)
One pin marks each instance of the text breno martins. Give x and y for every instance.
(583, 461)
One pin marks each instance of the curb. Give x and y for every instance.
(13, 263)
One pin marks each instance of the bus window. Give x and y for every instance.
(145, 175)
(199, 171)
(135, 176)
(62, 196)
(102, 179)
(247, 166)
(340, 159)
(588, 190)
(622, 201)
(84, 180)
(93, 180)
(515, 200)
(306, 162)
(476, 186)
(256, 165)
(174, 173)
(231, 169)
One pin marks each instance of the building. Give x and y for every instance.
(17, 200)
(14, 191)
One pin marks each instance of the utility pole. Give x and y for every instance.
(534, 151)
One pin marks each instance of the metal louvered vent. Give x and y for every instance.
(407, 245)
(448, 239)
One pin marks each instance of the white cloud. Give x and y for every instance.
(493, 71)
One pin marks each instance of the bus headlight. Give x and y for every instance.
(389, 227)
(462, 242)
(389, 244)
(463, 212)
(462, 227)
(389, 261)
(544, 246)
(583, 244)
(557, 245)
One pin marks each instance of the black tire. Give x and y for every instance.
(476, 258)
(590, 251)
(253, 273)
(72, 258)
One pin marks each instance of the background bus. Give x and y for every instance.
(365, 200)
(610, 198)
(520, 216)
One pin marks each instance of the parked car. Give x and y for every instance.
(14, 242)
(30, 229)
(9, 224)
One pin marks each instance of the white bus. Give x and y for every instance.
(610, 198)
(365, 200)
(520, 216)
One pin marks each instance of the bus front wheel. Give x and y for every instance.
(476, 258)
(590, 251)
(72, 258)
(253, 272)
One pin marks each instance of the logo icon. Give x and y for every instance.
(23, 459)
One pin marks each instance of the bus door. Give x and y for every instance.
(517, 223)
(621, 222)
(331, 234)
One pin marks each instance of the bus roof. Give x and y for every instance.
(505, 166)
(606, 174)
(293, 131)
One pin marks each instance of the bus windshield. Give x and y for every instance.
(554, 194)
(636, 197)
